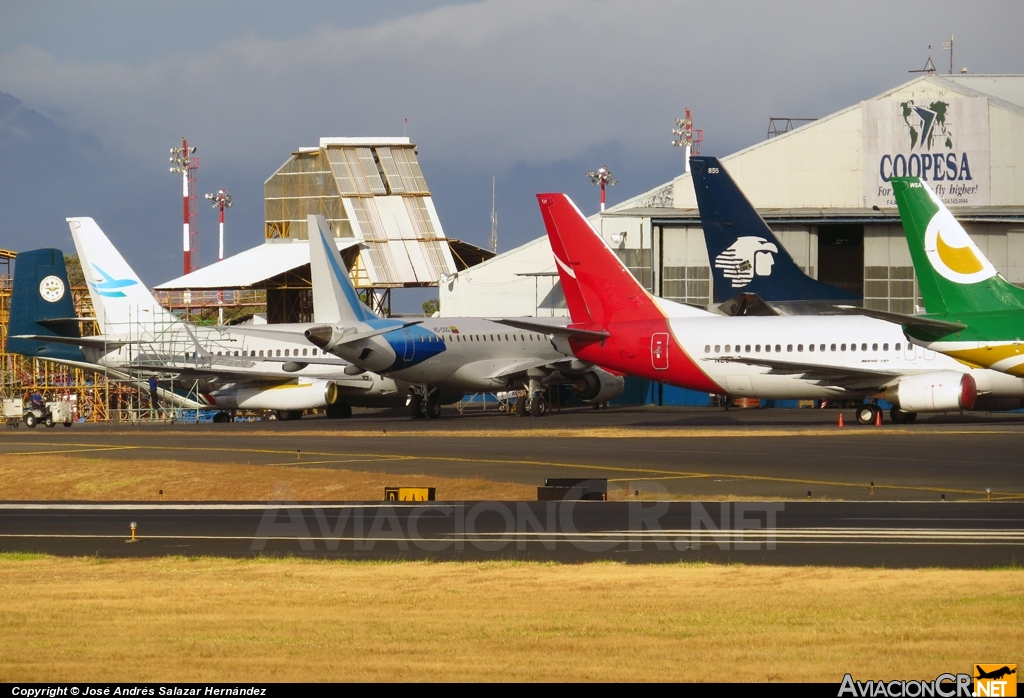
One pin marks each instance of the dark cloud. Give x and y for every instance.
(532, 92)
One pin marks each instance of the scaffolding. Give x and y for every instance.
(88, 392)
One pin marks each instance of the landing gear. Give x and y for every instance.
(424, 401)
(289, 415)
(538, 406)
(898, 416)
(415, 406)
(339, 410)
(866, 413)
(221, 418)
(531, 401)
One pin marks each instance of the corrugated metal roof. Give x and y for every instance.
(1009, 88)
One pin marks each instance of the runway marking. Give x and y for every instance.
(670, 474)
(810, 536)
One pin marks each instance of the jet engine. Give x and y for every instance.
(939, 391)
(598, 386)
(303, 395)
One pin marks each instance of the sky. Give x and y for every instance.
(532, 93)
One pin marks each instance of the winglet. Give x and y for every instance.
(598, 287)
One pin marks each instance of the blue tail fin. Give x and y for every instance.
(41, 305)
(745, 255)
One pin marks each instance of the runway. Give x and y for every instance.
(672, 451)
(946, 491)
(889, 534)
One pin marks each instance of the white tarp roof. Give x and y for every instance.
(250, 267)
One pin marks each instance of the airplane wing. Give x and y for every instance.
(567, 367)
(562, 330)
(833, 375)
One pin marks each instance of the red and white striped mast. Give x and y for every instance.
(183, 162)
(602, 176)
(686, 136)
(222, 200)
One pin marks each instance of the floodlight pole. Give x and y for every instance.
(182, 162)
(221, 200)
(602, 176)
(687, 137)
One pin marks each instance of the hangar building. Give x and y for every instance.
(823, 188)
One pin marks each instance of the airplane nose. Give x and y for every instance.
(320, 335)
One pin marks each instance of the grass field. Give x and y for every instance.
(79, 478)
(209, 619)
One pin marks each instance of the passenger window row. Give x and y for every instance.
(756, 348)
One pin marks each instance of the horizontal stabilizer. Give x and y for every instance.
(930, 325)
(93, 342)
(560, 330)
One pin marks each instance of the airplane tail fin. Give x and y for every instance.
(953, 274)
(334, 297)
(746, 256)
(41, 305)
(122, 302)
(598, 287)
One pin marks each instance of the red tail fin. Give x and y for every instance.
(598, 287)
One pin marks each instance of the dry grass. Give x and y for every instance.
(287, 620)
(78, 478)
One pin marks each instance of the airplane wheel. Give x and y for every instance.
(416, 407)
(433, 408)
(31, 421)
(538, 406)
(295, 414)
(866, 414)
(898, 416)
(523, 407)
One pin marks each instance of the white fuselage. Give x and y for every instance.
(718, 345)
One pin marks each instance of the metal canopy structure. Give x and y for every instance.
(375, 199)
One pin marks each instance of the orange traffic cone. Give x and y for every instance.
(878, 418)
(841, 425)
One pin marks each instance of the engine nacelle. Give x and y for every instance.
(299, 395)
(598, 386)
(939, 391)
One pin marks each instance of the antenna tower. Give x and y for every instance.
(494, 219)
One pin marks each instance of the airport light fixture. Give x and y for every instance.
(602, 176)
(687, 137)
(222, 200)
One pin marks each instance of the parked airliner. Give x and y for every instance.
(617, 324)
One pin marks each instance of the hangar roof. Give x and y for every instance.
(1008, 88)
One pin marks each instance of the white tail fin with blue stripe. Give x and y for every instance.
(123, 304)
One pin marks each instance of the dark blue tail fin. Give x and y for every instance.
(745, 255)
(42, 306)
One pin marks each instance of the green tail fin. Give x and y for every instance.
(954, 276)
